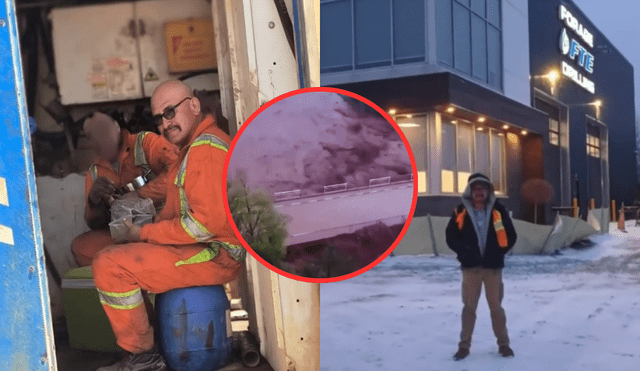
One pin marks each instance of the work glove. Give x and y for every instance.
(102, 189)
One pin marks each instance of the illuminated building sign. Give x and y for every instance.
(575, 51)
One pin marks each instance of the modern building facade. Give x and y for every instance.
(463, 79)
(590, 106)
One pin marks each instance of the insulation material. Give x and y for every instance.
(532, 238)
(417, 240)
(61, 204)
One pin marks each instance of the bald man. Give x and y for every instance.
(190, 242)
(122, 157)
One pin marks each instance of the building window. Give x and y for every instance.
(593, 145)
(415, 129)
(468, 148)
(554, 132)
(469, 38)
(361, 34)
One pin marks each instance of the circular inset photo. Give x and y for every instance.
(321, 184)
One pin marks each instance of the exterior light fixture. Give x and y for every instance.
(454, 121)
(408, 125)
(505, 126)
(479, 128)
(392, 111)
(451, 109)
(596, 103)
(481, 119)
(500, 134)
(523, 132)
(552, 77)
(409, 116)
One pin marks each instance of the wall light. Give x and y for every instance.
(523, 132)
(408, 125)
(392, 111)
(409, 116)
(596, 103)
(481, 119)
(552, 77)
(479, 128)
(505, 126)
(451, 109)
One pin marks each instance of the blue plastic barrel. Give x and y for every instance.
(194, 328)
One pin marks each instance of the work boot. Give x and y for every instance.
(150, 360)
(461, 354)
(505, 351)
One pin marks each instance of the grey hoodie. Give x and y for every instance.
(468, 205)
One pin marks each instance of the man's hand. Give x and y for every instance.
(129, 195)
(101, 189)
(133, 234)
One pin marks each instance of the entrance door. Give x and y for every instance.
(557, 169)
(597, 163)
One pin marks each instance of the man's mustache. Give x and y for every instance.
(164, 132)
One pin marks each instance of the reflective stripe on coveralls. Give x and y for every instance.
(139, 158)
(125, 300)
(93, 169)
(193, 227)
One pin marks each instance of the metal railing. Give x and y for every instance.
(343, 187)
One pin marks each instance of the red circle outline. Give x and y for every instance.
(409, 216)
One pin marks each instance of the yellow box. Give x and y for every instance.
(190, 45)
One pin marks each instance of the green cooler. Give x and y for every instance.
(87, 324)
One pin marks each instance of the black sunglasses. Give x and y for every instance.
(168, 113)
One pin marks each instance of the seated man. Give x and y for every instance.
(122, 157)
(190, 242)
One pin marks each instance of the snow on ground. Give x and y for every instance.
(576, 311)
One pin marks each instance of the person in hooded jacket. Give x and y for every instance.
(481, 232)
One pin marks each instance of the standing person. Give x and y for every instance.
(190, 242)
(481, 233)
(122, 157)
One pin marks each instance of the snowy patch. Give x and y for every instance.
(579, 310)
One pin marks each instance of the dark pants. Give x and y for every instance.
(472, 280)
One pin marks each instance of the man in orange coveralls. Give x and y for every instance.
(190, 242)
(122, 157)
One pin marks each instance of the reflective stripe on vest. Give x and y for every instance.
(193, 227)
(501, 233)
(139, 158)
(126, 300)
(93, 169)
(202, 139)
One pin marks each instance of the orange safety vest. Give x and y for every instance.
(501, 234)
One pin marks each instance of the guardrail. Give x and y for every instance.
(286, 195)
(343, 187)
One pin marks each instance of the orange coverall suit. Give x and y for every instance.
(139, 153)
(190, 242)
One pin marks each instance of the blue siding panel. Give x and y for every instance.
(373, 33)
(409, 31)
(336, 36)
(461, 38)
(494, 46)
(26, 334)
(479, 47)
(444, 33)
